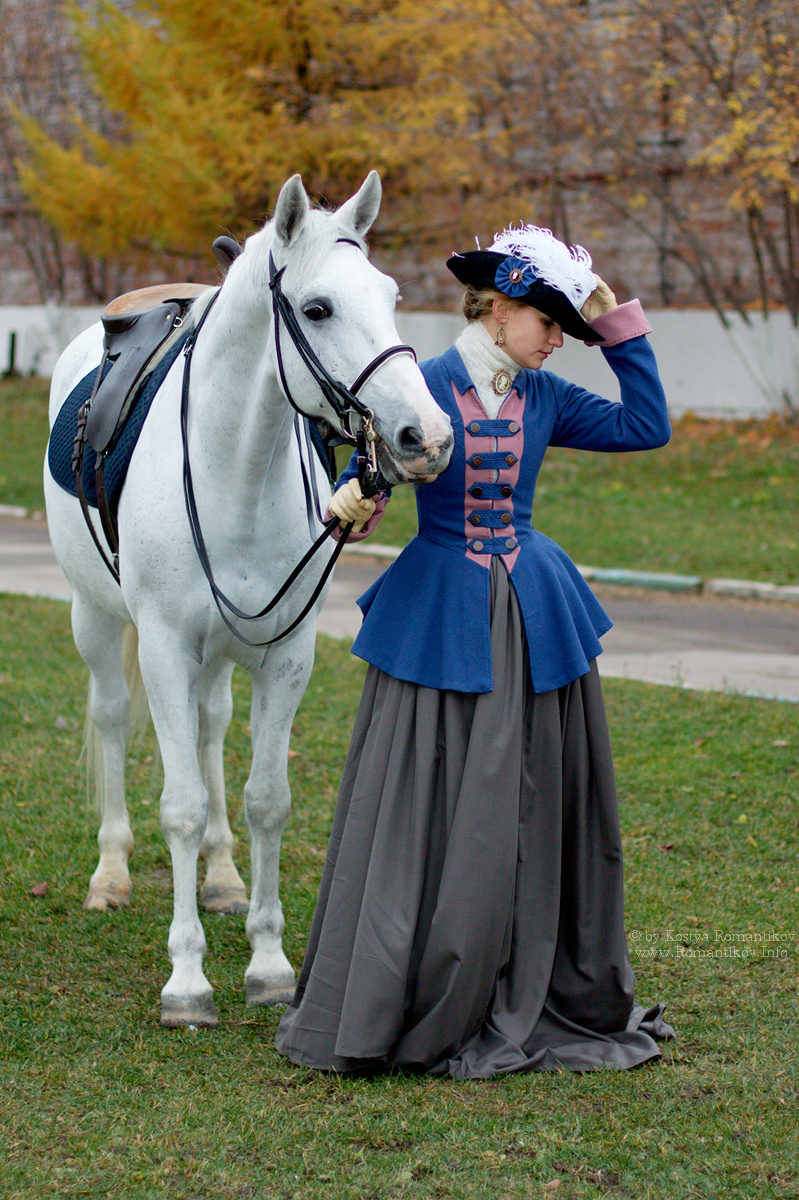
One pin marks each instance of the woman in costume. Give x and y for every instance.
(470, 918)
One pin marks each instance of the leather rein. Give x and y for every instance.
(347, 407)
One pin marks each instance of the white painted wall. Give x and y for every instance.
(706, 369)
(42, 332)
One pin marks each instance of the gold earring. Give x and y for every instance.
(500, 338)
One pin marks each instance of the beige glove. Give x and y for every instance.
(349, 505)
(600, 301)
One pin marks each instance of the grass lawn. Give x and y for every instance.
(97, 1100)
(23, 438)
(720, 500)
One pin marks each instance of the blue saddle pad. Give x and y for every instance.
(62, 435)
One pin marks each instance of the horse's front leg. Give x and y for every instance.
(277, 691)
(223, 889)
(173, 680)
(98, 637)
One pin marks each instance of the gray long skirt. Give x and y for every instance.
(470, 919)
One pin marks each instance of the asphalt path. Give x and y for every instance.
(683, 639)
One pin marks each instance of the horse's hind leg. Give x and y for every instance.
(223, 889)
(98, 637)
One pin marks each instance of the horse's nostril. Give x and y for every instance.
(410, 441)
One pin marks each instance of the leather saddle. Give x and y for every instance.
(136, 327)
(137, 324)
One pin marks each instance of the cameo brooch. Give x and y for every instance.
(501, 382)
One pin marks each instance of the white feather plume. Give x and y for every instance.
(567, 268)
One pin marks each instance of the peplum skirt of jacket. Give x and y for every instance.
(427, 618)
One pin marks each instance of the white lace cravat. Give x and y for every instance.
(482, 358)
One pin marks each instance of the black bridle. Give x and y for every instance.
(346, 406)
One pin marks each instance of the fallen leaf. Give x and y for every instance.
(40, 889)
(550, 1187)
(666, 846)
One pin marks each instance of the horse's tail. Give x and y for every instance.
(139, 717)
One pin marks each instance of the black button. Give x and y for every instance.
(476, 492)
(475, 519)
(506, 491)
(506, 518)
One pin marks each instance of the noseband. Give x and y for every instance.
(346, 406)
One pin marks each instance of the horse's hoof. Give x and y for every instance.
(109, 896)
(200, 1011)
(260, 992)
(224, 900)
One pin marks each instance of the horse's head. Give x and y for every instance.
(344, 308)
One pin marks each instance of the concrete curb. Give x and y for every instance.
(643, 579)
(748, 589)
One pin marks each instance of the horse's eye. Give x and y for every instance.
(316, 312)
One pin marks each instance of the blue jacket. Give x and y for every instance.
(427, 618)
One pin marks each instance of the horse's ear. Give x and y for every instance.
(360, 210)
(291, 209)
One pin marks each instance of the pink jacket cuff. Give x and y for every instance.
(621, 323)
(369, 527)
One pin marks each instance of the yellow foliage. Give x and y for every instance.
(213, 106)
(474, 112)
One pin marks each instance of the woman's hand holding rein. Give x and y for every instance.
(349, 505)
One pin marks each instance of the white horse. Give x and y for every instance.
(251, 504)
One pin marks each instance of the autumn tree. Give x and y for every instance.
(40, 75)
(669, 124)
(636, 122)
(214, 105)
(697, 134)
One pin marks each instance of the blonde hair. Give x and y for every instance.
(478, 303)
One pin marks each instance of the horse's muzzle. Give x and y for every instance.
(414, 458)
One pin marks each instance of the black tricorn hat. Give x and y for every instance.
(517, 277)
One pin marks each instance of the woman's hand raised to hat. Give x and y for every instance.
(599, 302)
(349, 505)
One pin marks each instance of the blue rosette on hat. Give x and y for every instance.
(515, 277)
